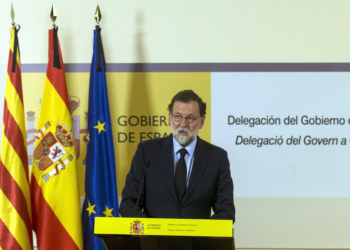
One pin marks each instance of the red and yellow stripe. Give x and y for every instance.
(56, 203)
(15, 204)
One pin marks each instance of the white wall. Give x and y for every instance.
(186, 31)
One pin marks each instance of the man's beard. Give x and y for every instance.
(185, 140)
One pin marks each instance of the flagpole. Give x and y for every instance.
(12, 16)
(98, 15)
(53, 15)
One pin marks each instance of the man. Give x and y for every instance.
(187, 177)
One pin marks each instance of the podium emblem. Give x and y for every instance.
(136, 227)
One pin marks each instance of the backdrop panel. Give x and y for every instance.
(138, 105)
(287, 136)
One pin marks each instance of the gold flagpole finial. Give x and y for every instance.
(98, 15)
(12, 16)
(53, 15)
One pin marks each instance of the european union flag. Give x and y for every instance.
(101, 196)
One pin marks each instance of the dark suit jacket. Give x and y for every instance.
(210, 184)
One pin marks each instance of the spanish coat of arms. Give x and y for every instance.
(51, 149)
(136, 227)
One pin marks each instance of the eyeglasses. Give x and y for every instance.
(188, 119)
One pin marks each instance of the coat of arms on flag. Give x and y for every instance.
(50, 151)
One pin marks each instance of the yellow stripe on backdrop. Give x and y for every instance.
(131, 96)
(18, 173)
(16, 111)
(14, 222)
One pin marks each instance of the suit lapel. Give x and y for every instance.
(165, 158)
(201, 160)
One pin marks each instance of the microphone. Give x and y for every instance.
(148, 163)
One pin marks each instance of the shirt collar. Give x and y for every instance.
(190, 148)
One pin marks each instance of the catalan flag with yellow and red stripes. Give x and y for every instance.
(54, 181)
(15, 208)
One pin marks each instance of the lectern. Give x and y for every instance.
(150, 233)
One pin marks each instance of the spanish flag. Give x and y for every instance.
(54, 181)
(15, 210)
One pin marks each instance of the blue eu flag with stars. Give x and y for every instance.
(101, 195)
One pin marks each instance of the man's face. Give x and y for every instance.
(183, 132)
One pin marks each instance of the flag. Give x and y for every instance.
(15, 208)
(54, 181)
(101, 196)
